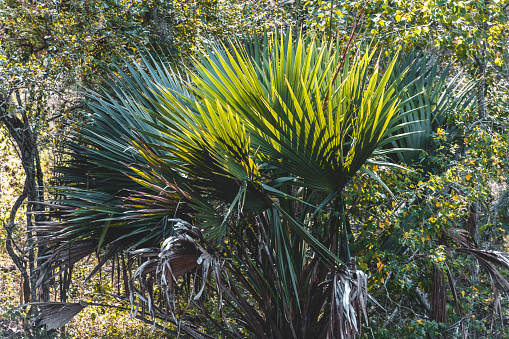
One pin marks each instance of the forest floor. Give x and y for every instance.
(9, 297)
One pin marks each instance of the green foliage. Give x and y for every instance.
(470, 29)
(261, 149)
(426, 207)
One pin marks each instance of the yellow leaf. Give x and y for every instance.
(456, 197)
(468, 176)
(463, 293)
(420, 322)
(398, 18)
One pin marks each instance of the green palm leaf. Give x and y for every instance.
(246, 150)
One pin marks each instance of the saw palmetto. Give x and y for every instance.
(249, 154)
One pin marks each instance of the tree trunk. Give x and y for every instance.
(481, 87)
(15, 119)
(438, 297)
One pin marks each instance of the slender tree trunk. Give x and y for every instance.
(438, 297)
(481, 62)
(473, 228)
(25, 141)
(481, 87)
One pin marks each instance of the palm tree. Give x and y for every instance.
(228, 185)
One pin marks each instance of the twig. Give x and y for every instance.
(422, 299)
(345, 52)
(393, 315)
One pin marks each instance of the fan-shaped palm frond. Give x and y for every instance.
(247, 151)
(428, 97)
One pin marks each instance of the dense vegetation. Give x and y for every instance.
(263, 169)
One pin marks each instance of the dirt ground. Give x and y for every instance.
(9, 298)
(10, 329)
